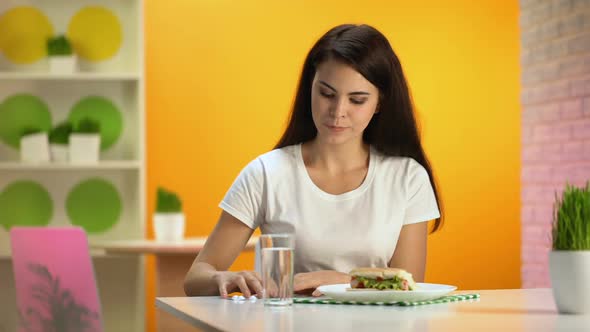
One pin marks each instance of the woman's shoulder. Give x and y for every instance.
(284, 154)
(272, 163)
(277, 158)
(392, 160)
(403, 164)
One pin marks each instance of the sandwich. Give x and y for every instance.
(382, 279)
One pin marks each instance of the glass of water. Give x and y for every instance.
(277, 268)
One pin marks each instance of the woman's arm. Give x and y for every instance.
(410, 251)
(307, 282)
(208, 275)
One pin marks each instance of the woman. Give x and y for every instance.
(349, 176)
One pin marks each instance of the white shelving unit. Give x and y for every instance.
(72, 77)
(121, 80)
(64, 166)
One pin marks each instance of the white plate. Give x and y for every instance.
(425, 291)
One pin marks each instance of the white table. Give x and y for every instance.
(495, 310)
(172, 263)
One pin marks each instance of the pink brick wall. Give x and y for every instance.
(555, 59)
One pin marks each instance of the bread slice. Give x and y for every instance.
(368, 272)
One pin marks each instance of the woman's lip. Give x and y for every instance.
(336, 128)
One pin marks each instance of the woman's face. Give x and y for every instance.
(342, 102)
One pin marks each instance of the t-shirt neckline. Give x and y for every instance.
(347, 195)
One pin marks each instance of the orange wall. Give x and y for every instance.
(221, 77)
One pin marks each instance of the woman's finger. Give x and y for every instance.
(254, 283)
(223, 289)
(240, 281)
(257, 276)
(316, 293)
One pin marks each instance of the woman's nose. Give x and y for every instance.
(338, 110)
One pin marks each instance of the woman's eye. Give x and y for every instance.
(358, 101)
(326, 94)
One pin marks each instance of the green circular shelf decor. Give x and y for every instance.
(94, 204)
(25, 203)
(19, 112)
(105, 112)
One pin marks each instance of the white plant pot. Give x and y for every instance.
(169, 227)
(570, 280)
(63, 64)
(59, 152)
(84, 148)
(34, 148)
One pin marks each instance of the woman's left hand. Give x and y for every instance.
(308, 281)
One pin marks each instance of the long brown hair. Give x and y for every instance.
(393, 131)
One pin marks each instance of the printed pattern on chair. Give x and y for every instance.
(55, 284)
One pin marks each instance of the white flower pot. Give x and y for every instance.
(34, 148)
(59, 152)
(84, 148)
(169, 227)
(570, 280)
(62, 64)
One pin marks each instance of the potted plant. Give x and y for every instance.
(34, 146)
(84, 145)
(61, 57)
(59, 137)
(169, 221)
(569, 261)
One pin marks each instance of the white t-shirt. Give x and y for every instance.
(359, 228)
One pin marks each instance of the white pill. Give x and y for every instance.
(241, 297)
(253, 298)
(235, 298)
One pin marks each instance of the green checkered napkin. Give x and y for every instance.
(444, 299)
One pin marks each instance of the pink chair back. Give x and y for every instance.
(54, 277)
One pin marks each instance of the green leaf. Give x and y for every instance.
(571, 219)
(60, 134)
(167, 202)
(59, 46)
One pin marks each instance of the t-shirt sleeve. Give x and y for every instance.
(421, 201)
(244, 199)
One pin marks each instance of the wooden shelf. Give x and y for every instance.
(190, 246)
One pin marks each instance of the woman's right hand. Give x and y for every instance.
(209, 275)
(248, 282)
